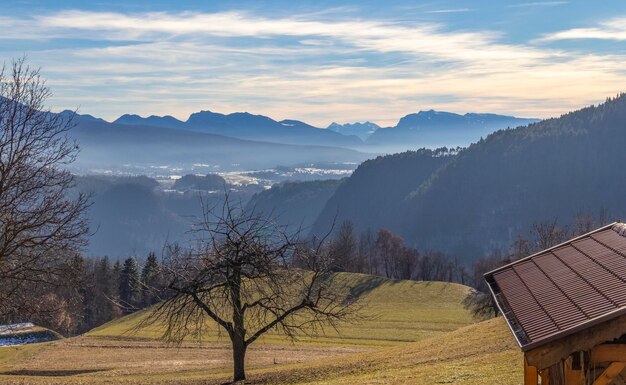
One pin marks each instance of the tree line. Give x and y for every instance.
(386, 254)
(98, 290)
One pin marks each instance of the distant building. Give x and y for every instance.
(566, 307)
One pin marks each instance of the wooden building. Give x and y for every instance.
(566, 307)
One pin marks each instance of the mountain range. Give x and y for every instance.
(423, 129)
(434, 129)
(478, 199)
(244, 125)
(142, 148)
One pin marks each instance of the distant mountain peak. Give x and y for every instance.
(152, 120)
(86, 117)
(362, 130)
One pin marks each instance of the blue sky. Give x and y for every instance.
(321, 61)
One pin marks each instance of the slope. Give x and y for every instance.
(483, 353)
(395, 312)
(294, 205)
(375, 195)
(497, 188)
(399, 312)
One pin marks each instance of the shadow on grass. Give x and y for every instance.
(368, 284)
(50, 373)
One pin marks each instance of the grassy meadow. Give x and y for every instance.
(412, 333)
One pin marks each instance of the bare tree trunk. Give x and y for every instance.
(239, 358)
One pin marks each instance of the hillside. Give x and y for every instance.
(374, 196)
(497, 188)
(395, 312)
(295, 205)
(135, 215)
(484, 353)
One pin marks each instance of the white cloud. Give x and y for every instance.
(303, 67)
(614, 29)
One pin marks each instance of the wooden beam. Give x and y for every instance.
(610, 373)
(530, 374)
(545, 377)
(552, 352)
(572, 376)
(608, 353)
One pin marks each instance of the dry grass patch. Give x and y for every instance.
(377, 351)
(395, 312)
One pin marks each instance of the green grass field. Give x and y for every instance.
(394, 311)
(413, 333)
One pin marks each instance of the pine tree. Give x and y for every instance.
(115, 288)
(130, 289)
(79, 298)
(105, 291)
(150, 281)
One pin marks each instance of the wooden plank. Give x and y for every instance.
(545, 377)
(552, 352)
(608, 353)
(530, 374)
(572, 376)
(610, 373)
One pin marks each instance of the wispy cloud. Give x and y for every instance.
(452, 10)
(538, 4)
(306, 66)
(614, 29)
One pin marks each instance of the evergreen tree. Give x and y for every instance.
(150, 281)
(105, 291)
(129, 287)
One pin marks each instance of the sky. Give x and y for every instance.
(321, 61)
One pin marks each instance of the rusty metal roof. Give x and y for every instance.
(563, 289)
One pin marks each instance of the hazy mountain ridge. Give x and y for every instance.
(243, 125)
(142, 149)
(362, 130)
(487, 194)
(439, 128)
(423, 129)
(152, 120)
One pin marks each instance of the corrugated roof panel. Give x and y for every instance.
(556, 292)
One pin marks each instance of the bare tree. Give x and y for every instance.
(242, 277)
(343, 249)
(41, 226)
(549, 233)
(388, 247)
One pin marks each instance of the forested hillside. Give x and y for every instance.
(134, 216)
(375, 195)
(492, 191)
(294, 204)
